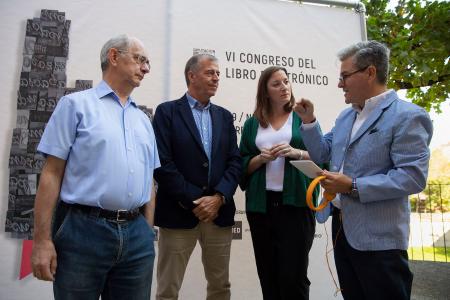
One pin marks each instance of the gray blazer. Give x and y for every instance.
(389, 157)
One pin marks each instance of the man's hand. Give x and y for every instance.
(305, 110)
(43, 257)
(207, 208)
(43, 260)
(336, 182)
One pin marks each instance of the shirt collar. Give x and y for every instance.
(103, 90)
(371, 103)
(194, 103)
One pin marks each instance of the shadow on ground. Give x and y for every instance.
(431, 280)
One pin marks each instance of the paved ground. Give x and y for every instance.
(431, 280)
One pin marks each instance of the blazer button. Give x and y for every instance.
(205, 164)
(204, 188)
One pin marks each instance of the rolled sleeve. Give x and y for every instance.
(156, 162)
(60, 131)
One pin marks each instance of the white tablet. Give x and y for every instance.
(308, 167)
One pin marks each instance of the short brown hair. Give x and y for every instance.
(263, 107)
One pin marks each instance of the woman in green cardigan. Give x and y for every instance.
(281, 225)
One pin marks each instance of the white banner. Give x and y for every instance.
(246, 35)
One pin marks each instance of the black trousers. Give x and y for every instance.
(282, 238)
(367, 275)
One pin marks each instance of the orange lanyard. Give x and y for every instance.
(327, 196)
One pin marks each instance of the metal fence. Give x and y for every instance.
(430, 224)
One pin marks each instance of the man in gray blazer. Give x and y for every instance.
(378, 153)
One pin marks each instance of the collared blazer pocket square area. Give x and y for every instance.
(373, 130)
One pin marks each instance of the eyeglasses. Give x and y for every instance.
(343, 77)
(139, 59)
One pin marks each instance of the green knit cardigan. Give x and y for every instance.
(295, 183)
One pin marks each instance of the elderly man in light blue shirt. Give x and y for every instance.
(101, 153)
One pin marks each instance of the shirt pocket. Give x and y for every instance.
(142, 147)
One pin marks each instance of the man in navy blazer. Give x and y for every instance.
(199, 173)
(378, 153)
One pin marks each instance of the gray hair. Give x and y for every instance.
(369, 53)
(194, 62)
(121, 42)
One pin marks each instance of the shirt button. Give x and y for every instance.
(130, 194)
(129, 149)
(205, 164)
(131, 171)
(343, 149)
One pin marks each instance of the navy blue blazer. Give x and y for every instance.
(183, 175)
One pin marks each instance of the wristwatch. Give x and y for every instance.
(354, 191)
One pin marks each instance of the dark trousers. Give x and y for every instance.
(282, 238)
(370, 274)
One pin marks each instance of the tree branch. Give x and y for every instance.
(408, 85)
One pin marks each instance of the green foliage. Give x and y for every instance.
(435, 198)
(440, 165)
(439, 195)
(429, 253)
(418, 34)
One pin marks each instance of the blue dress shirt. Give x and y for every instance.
(110, 149)
(203, 121)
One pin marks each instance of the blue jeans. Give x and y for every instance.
(97, 257)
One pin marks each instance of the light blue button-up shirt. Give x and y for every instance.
(110, 149)
(203, 121)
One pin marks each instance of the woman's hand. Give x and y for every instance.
(256, 162)
(286, 150)
(265, 156)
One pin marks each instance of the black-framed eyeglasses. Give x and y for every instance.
(343, 77)
(139, 59)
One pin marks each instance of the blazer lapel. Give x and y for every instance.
(342, 140)
(217, 124)
(374, 116)
(188, 118)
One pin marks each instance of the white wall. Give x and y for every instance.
(171, 29)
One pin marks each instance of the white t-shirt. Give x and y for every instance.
(266, 138)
